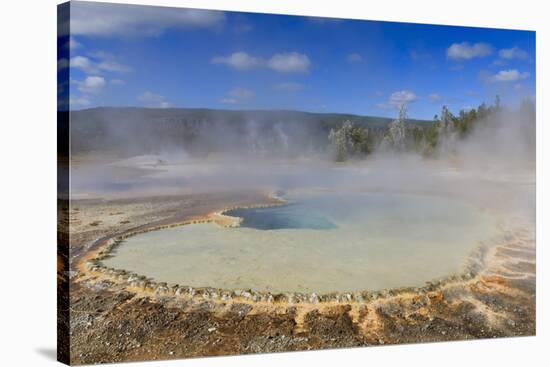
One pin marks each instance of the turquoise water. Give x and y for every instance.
(320, 242)
(292, 216)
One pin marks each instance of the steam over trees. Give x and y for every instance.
(200, 132)
(397, 132)
(445, 123)
(348, 141)
(446, 131)
(441, 137)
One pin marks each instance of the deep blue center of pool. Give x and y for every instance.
(291, 216)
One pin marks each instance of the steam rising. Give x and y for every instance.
(126, 152)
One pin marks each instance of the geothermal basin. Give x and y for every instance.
(318, 242)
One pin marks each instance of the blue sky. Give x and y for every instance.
(121, 55)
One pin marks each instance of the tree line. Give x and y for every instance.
(350, 141)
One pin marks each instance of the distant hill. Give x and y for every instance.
(199, 131)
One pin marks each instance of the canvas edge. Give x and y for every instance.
(63, 193)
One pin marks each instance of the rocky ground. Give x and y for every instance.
(111, 321)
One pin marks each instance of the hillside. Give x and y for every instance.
(200, 131)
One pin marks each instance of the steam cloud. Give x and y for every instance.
(162, 151)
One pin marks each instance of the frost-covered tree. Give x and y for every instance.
(340, 140)
(397, 131)
(349, 140)
(446, 122)
(446, 133)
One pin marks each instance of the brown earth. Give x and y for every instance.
(111, 321)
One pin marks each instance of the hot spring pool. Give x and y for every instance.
(319, 243)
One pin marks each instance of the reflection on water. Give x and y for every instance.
(320, 243)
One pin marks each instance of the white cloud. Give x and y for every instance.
(109, 20)
(79, 101)
(84, 64)
(435, 97)
(511, 75)
(238, 60)
(289, 87)
(398, 99)
(467, 51)
(402, 97)
(355, 57)
(104, 63)
(238, 95)
(290, 62)
(513, 53)
(92, 84)
(151, 99)
(73, 44)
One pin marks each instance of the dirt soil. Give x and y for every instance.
(109, 321)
